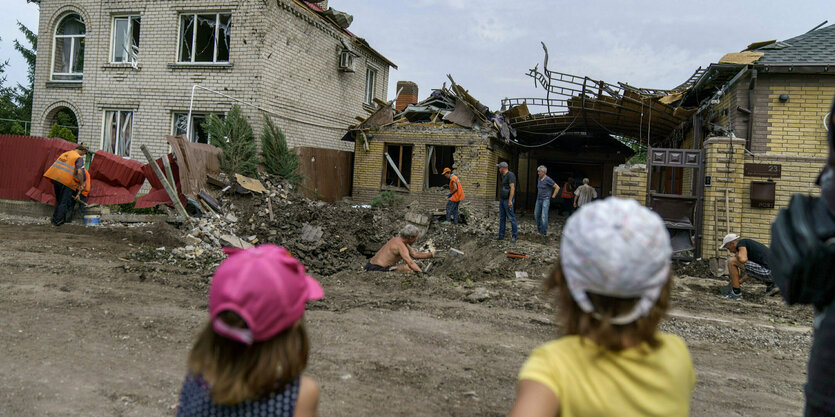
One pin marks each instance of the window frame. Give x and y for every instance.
(370, 92)
(204, 115)
(55, 37)
(130, 17)
(193, 50)
(399, 162)
(118, 115)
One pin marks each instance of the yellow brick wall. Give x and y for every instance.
(475, 161)
(798, 177)
(723, 163)
(630, 182)
(796, 126)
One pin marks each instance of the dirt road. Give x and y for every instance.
(88, 329)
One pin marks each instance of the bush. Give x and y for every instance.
(386, 199)
(278, 158)
(61, 132)
(233, 135)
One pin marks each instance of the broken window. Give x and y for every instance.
(198, 133)
(68, 50)
(437, 158)
(118, 132)
(125, 39)
(370, 84)
(398, 163)
(205, 37)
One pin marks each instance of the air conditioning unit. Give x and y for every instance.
(346, 61)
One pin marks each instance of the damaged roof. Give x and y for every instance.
(360, 42)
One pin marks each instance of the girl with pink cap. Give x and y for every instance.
(250, 357)
(614, 284)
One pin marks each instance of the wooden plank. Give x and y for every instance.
(168, 172)
(169, 188)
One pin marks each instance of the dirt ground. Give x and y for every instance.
(95, 325)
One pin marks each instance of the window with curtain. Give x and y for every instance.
(68, 49)
(205, 37)
(125, 39)
(118, 132)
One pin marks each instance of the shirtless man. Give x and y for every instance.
(396, 249)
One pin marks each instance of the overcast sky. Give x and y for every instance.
(489, 45)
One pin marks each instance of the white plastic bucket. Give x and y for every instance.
(92, 220)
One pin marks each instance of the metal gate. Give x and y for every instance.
(682, 214)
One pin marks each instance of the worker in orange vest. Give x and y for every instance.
(456, 194)
(67, 174)
(567, 196)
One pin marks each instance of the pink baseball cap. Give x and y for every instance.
(266, 286)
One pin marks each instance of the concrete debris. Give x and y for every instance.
(234, 242)
(478, 295)
(231, 218)
(455, 253)
(521, 275)
(311, 233)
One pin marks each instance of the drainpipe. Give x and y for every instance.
(751, 86)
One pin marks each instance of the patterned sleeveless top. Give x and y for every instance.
(195, 401)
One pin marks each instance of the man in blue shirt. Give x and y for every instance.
(546, 189)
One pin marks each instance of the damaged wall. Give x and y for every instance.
(630, 181)
(283, 57)
(475, 163)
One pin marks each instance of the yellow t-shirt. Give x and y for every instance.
(638, 381)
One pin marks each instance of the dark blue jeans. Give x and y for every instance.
(63, 203)
(506, 212)
(452, 211)
(540, 213)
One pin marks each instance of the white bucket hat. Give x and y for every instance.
(730, 237)
(618, 248)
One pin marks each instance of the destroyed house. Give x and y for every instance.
(726, 149)
(406, 151)
(128, 72)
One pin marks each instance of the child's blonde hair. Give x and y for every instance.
(598, 326)
(238, 372)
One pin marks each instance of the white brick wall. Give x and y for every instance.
(283, 58)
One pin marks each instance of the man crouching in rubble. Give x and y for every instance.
(396, 249)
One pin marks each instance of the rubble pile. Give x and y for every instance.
(332, 237)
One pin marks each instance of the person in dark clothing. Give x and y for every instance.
(750, 258)
(803, 260)
(508, 193)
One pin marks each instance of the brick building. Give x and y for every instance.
(422, 140)
(758, 118)
(126, 69)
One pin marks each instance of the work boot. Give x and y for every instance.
(771, 289)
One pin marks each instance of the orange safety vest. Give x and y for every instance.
(565, 191)
(63, 170)
(77, 182)
(459, 194)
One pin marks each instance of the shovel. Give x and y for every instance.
(718, 266)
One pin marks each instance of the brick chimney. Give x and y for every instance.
(408, 94)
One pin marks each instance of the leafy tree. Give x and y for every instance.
(278, 158)
(233, 135)
(8, 109)
(23, 95)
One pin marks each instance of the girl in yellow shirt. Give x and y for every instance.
(613, 281)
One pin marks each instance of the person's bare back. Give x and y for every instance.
(396, 249)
